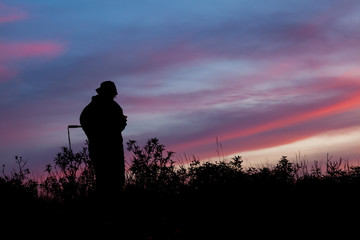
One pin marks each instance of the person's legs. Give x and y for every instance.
(110, 179)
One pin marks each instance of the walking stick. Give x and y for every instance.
(68, 129)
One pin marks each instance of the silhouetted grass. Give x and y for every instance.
(162, 200)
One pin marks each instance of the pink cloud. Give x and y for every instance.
(20, 50)
(13, 52)
(348, 104)
(251, 129)
(11, 14)
(16, 51)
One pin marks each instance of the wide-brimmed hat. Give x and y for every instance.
(107, 88)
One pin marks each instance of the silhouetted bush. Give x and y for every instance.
(19, 181)
(207, 175)
(150, 169)
(284, 171)
(71, 177)
(167, 200)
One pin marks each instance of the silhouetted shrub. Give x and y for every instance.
(18, 181)
(284, 171)
(71, 177)
(150, 169)
(187, 197)
(207, 175)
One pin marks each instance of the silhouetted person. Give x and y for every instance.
(103, 121)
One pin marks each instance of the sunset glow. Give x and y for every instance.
(265, 78)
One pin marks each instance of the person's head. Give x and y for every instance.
(107, 89)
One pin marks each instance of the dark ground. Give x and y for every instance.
(253, 212)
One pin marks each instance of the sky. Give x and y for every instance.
(264, 78)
